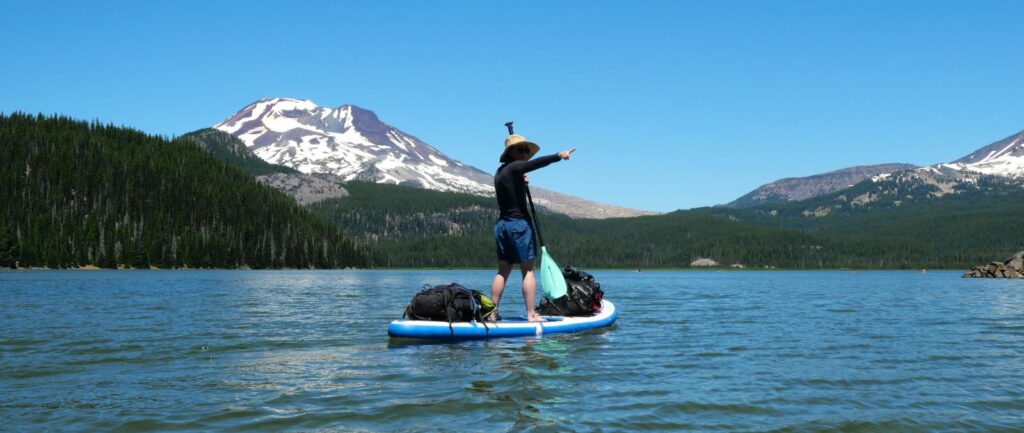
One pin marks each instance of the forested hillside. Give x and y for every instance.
(233, 151)
(78, 193)
(415, 227)
(412, 227)
(931, 229)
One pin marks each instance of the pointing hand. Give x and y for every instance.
(565, 153)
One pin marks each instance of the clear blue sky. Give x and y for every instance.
(671, 104)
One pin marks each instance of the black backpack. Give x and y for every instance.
(583, 296)
(447, 303)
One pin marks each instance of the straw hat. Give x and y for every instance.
(515, 140)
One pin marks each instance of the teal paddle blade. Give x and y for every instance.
(551, 281)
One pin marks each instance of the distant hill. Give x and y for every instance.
(1002, 159)
(943, 215)
(413, 227)
(802, 188)
(926, 218)
(78, 194)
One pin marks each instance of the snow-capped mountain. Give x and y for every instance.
(353, 144)
(349, 142)
(994, 171)
(1002, 161)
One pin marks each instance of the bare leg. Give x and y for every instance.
(530, 291)
(498, 285)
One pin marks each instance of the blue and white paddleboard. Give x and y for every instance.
(511, 327)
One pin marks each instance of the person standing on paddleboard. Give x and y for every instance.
(513, 233)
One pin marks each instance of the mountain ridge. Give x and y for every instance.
(1002, 158)
(801, 188)
(352, 143)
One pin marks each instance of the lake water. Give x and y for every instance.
(692, 351)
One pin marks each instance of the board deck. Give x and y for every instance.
(511, 327)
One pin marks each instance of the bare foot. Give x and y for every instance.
(494, 317)
(535, 318)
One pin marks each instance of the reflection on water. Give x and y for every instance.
(701, 351)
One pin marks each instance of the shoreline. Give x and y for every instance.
(680, 269)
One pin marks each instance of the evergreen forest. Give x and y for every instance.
(86, 194)
(420, 228)
(77, 194)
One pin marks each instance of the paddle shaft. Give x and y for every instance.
(551, 281)
(533, 210)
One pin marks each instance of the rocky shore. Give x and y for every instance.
(1012, 267)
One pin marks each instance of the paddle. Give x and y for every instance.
(551, 281)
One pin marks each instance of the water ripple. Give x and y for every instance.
(693, 351)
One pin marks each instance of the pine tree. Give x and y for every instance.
(8, 248)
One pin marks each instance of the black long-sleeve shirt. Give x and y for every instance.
(510, 187)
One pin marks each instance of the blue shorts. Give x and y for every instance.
(514, 238)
